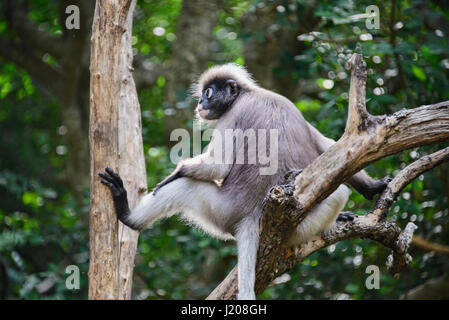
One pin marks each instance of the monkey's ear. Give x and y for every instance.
(232, 87)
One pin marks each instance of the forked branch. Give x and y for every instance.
(367, 138)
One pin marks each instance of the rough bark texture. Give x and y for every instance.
(116, 141)
(366, 139)
(131, 156)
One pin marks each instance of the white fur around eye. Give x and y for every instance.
(209, 92)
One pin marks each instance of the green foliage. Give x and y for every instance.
(43, 229)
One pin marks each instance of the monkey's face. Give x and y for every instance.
(217, 97)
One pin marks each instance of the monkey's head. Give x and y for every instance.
(219, 87)
(217, 97)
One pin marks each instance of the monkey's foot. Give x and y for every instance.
(113, 181)
(346, 216)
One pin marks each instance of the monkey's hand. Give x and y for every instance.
(119, 195)
(378, 187)
(178, 173)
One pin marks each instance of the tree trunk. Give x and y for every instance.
(115, 141)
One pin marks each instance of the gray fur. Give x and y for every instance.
(231, 210)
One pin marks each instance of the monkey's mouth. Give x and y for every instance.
(202, 112)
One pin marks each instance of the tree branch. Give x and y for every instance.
(366, 139)
(275, 258)
(357, 113)
(381, 136)
(429, 245)
(403, 178)
(131, 161)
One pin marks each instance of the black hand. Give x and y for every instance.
(119, 195)
(170, 178)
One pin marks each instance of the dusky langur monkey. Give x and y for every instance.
(230, 99)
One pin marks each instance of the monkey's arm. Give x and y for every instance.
(361, 181)
(201, 167)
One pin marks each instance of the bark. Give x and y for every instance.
(116, 141)
(367, 138)
(131, 156)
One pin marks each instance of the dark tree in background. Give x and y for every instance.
(296, 48)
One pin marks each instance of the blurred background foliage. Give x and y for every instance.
(298, 48)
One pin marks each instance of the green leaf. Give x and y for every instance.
(351, 288)
(419, 73)
(32, 199)
(160, 81)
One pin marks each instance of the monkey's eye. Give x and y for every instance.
(209, 93)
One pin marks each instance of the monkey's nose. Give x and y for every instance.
(201, 111)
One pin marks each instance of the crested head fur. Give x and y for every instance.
(225, 71)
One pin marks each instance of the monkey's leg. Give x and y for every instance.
(201, 167)
(198, 201)
(247, 237)
(150, 207)
(321, 217)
